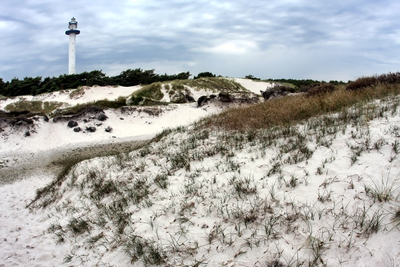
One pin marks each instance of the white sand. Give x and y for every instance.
(24, 240)
(254, 86)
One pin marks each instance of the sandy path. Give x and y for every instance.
(19, 165)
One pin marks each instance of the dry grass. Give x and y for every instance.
(78, 92)
(295, 108)
(318, 89)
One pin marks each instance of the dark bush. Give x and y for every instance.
(322, 88)
(204, 75)
(364, 82)
(251, 77)
(390, 78)
(279, 90)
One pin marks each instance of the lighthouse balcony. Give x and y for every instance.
(72, 31)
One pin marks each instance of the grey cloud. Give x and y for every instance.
(268, 38)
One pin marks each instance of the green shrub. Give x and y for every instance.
(204, 75)
(251, 77)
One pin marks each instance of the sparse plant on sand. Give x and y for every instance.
(383, 190)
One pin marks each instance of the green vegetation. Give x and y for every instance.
(148, 95)
(251, 77)
(210, 83)
(37, 85)
(105, 103)
(301, 83)
(178, 90)
(204, 75)
(43, 107)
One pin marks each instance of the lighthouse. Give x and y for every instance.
(72, 32)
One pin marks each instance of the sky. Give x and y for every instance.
(292, 39)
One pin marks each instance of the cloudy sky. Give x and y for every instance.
(300, 39)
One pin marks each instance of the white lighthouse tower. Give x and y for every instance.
(72, 32)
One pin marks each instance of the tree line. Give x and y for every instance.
(38, 85)
(305, 82)
(298, 83)
(130, 77)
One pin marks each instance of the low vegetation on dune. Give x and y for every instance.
(42, 107)
(301, 180)
(101, 104)
(216, 84)
(179, 91)
(148, 95)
